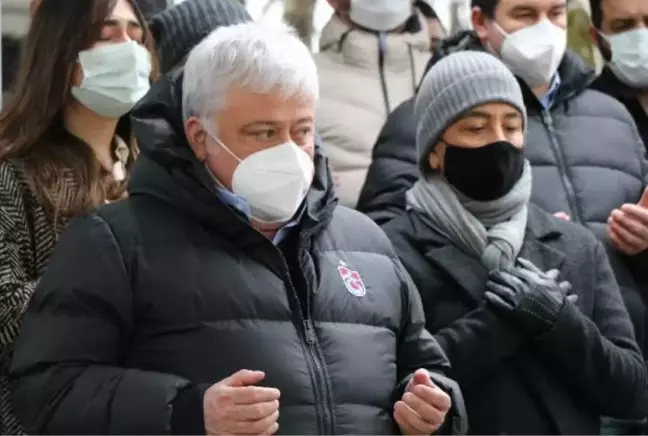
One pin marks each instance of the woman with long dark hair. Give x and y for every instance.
(65, 141)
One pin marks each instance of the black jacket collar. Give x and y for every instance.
(467, 271)
(609, 84)
(168, 170)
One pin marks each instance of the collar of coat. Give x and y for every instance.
(468, 272)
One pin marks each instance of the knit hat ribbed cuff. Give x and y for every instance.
(454, 86)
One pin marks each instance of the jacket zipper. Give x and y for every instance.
(311, 339)
(574, 212)
(322, 397)
(381, 71)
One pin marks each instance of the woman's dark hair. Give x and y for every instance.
(61, 170)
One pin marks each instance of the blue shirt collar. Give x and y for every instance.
(234, 201)
(240, 204)
(549, 98)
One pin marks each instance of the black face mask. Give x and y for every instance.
(485, 173)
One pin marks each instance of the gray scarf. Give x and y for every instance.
(492, 231)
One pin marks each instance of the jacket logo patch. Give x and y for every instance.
(352, 280)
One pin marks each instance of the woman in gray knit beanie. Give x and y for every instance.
(518, 299)
(471, 124)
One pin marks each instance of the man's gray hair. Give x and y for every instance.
(255, 56)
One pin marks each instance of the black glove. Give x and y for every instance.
(529, 296)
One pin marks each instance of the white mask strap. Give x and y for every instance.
(215, 138)
(500, 30)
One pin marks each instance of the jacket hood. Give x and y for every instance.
(168, 170)
(575, 75)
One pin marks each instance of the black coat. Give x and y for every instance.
(588, 365)
(150, 300)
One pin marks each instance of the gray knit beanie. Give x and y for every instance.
(179, 29)
(453, 86)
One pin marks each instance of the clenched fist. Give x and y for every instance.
(423, 408)
(234, 406)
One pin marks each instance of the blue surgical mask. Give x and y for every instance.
(630, 57)
(115, 78)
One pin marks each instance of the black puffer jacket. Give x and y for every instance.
(151, 299)
(586, 155)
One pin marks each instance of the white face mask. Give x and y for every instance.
(273, 181)
(630, 57)
(534, 53)
(380, 15)
(115, 77)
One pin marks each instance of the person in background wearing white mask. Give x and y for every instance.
(620, 29)
(229, 294)
(372, 57)
(66, 144)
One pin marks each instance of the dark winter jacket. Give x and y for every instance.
(149, 301)
(608, 83)
(560, 383)
(586, 155)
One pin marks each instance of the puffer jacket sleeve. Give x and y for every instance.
(66, 373)
(418, 349)
(15, 286)
(393, 168)
(599, 357)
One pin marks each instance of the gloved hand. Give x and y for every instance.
(528, 295)
(551, 274)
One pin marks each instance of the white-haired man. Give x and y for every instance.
(229, 294)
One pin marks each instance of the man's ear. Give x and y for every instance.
(600, 43)
(593, 33)
(196, 137)
(478, 20)
(434, 160)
